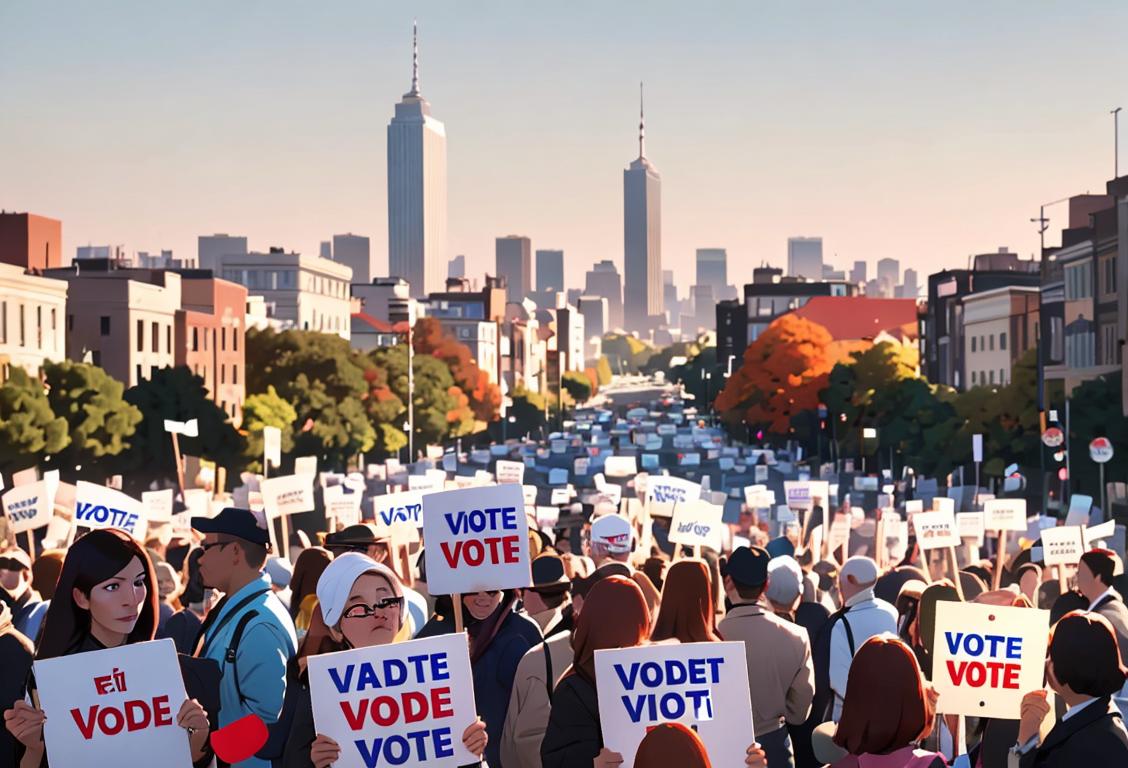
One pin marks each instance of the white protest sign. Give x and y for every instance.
(1079, 506)
(697, 523)
(96, 506)
(196, 502)
(701, 685)
(620, 466)
(393, 509)
(342, 506)
(759, 497)
(402, 704)
(158, 505)
(529, 494)
(116, 706)
(477, 540)
(987, 657)
(936, 530)
(1105, 530)
(305, 465)
(272, 445)
(977, 448)
(547, 517)
(580, 465)
(803, 494)
(425, 482)
(970, 526)
(663, 492)
(559, 496)
(287, 494)
(944, 504)
(1004, 515)
(912, 506)
(1063, 545)
(839, 534)
(510, 471)
(190, 428)
(28, 506)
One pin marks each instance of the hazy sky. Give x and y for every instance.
(887, 128)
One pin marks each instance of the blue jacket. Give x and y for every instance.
(267, 644)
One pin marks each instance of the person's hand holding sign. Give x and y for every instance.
(757, 758)
(25, 723)
(474, 738)
(607, 759)
(1033, 711)
(325, 751)
(193, 718)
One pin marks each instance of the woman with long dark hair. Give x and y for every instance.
(106, 598)
(686, 612)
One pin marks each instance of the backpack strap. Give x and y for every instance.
(231, 655)
(548, 676)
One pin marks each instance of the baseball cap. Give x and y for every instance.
(232, 521)
(747, 566)
(280, 571)
(612, 532)
(15, 559)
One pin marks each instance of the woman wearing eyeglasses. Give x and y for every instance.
(360, 604)
(499, 634)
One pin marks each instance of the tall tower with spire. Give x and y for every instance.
(417, 190)
(642, 237)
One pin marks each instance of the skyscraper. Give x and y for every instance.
(603, 280)
(417, 201)
(805, 257)
(550, 271)
(889, 271)
(354, 251)
(642, 237)
(712, 270)
(456, 267)
(908, 288)
(858, 273)
(514, 261)
(212, 248)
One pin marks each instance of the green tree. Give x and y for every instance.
(527, 411)
(442, 410)
(266, 409)
(29, 429)
(334, 430)
(690, 374)
(603, 370)
(1096, 411)
(577, 385)
(179, 395)
(99, 420)
(626, 354)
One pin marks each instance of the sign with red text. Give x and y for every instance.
(697, 523)
(986, 657)
(114, 707)
(287, 494)
(936, 530)
(405, 704)
(477, 539)
(1063, 545)
(1004, 514)
(29, 506)
(96, 506)
(703, 686)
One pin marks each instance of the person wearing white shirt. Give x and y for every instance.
(863, 616)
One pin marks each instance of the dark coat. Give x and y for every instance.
(16, 654)
(1113, 609)
(573, 736)
(1095, 736)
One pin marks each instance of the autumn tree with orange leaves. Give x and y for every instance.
(483, 396)
(781, 376)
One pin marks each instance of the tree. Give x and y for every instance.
(577, 385)
(593, 380)
(483, 396)
(782, 374)
(603, 370)
(691, 376)
(29, 428)
(179, 395)
(99, 420)
(626, 354)
(1006, 416)
(266, 409)
(335, 430)
(528, 411)
(442, 409)
(1096, 411)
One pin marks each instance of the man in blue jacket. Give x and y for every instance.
(249, 632)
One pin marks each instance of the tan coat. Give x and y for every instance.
(781, 675)
(529, 704)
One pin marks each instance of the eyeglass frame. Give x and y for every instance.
(383, 604)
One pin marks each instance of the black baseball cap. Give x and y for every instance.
(747, 566)
(232, 521)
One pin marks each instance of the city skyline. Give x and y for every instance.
(287, 149)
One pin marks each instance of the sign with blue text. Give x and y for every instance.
(96, 506)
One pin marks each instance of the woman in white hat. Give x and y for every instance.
(361, 604)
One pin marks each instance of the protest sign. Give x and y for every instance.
(1079, 506)
(839, 534)
(620, 466)
(986, 657)
(529, 494)
(944, 504)
(392, 509)
(558, 446)
(759, 497)
(1063, 545)
(342, 505)
(272, 446)
(305, 465)
(96, 506)
(936, 530)
(697, 523)
(557, 476)
(663, 492)
(912, 506)
(701, 685)
(803, 495)
(28, 507)
(580, 465)
(116, 707)
(547, 517)
(287, 494)
(559, 496)
(158, 505)
(510, 471)
(760, 473)
(1005, 515)
(403, 704)
(476, 539)
(970, 526)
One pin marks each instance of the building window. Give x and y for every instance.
(235, 339)
(104, 325)
(222, 374)
(991, 342)
(156, 337)
(3, 322)
(234, 378)
(96, 357)
(973, 344)
(1002, 376)
(223, 338)
(1003, 340)
(39, 327)
(53, 325)
(195, 339)
(139, 373)
(23, 327)
(205, 334)
(168, 339)
(140, 336)
(992, 374)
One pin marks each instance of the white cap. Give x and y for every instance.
(613, 532)
(784, 579)
(337, 581)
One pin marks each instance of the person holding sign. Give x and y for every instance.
(1094, 581)
(106, 598)
(887, 711)
(362, 605)
(686, 613)
(1084, 669)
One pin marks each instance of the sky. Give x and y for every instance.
(924, 133)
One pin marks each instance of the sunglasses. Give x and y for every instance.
(206, 547)
(364, 611)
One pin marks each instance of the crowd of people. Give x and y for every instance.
(839, 654)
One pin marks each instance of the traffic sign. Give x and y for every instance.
(1053, 437)
(1100, 450)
